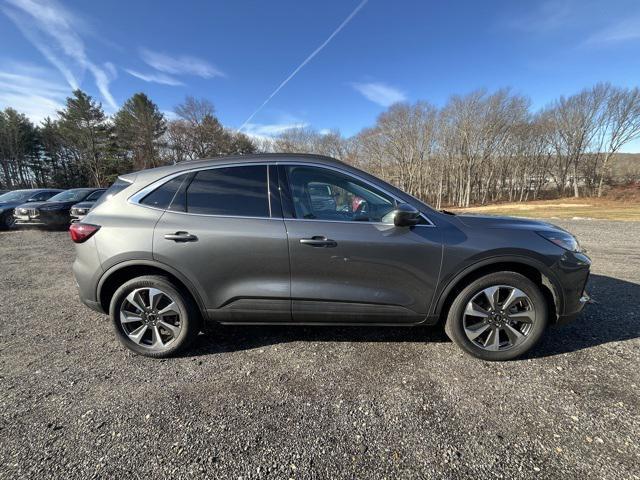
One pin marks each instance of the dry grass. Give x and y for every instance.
(598, 208)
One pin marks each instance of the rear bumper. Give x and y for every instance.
(95, 306)
(87, 270)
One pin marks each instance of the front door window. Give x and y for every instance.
(322, 194)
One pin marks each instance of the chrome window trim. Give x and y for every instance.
(138, 196)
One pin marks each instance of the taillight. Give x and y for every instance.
(81, 232)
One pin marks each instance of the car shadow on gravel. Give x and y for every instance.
(613, 316)
(227, 338)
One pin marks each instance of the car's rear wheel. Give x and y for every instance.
(153, 317)
(498, 317)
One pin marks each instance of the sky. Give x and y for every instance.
(333, 64)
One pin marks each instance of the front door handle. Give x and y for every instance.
(181, 237)
(319, 241)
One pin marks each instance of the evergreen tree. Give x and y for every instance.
(140, 127)
(18, 147)
(86, 131)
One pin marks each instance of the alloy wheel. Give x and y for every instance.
(150, 318)
(499, 318)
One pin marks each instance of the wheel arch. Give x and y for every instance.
(530, 268)
(122, 272)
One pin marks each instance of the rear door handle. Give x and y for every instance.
(319, 241)
(181, 237)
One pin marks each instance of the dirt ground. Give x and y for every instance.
(622, 204)
(267, 402)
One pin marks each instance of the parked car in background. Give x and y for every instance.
(55, 212)
(10, 200)
(79, 210)
(303, 239)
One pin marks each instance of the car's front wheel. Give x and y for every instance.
(499, 316)
(152, 317)
(7, 221)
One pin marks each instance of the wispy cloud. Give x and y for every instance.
(624, 30)
(548, 16)
(305, 61)
(180, 65)
(155, 77)
(53, 31)
(271, 129)
(29, 90)
(380, 93)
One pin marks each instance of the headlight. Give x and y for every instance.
(562, 239)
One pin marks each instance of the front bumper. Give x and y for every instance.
(568, 318)
(42, 219)
(32, 221)
(573, 270)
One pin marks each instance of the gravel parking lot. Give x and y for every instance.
(267, 402)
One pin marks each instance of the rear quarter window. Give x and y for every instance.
(163, 196)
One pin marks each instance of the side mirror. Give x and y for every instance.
(405, 215)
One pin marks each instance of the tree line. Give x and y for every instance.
(489, 146)
(478, 148)
(85, 147)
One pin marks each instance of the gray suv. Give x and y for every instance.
(302, 239)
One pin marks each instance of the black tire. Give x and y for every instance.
(454, 327)
(189, 320)
(7, 221)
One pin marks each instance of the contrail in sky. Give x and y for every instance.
(307, 60)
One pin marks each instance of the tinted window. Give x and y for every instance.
(74, 195)
(43, 196)
(162, 196)
(15, 196)
(118, 186)
(94, 196)
(235, 191)
(322, 194)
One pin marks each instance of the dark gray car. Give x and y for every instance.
(301, 239)
(80, 210)
(10, 200)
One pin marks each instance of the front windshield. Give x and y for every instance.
(69, 196)
(15, 196)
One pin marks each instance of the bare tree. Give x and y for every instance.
(621, 125)
(198, 133)
(576, 121)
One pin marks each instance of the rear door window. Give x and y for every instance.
(240, 191)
